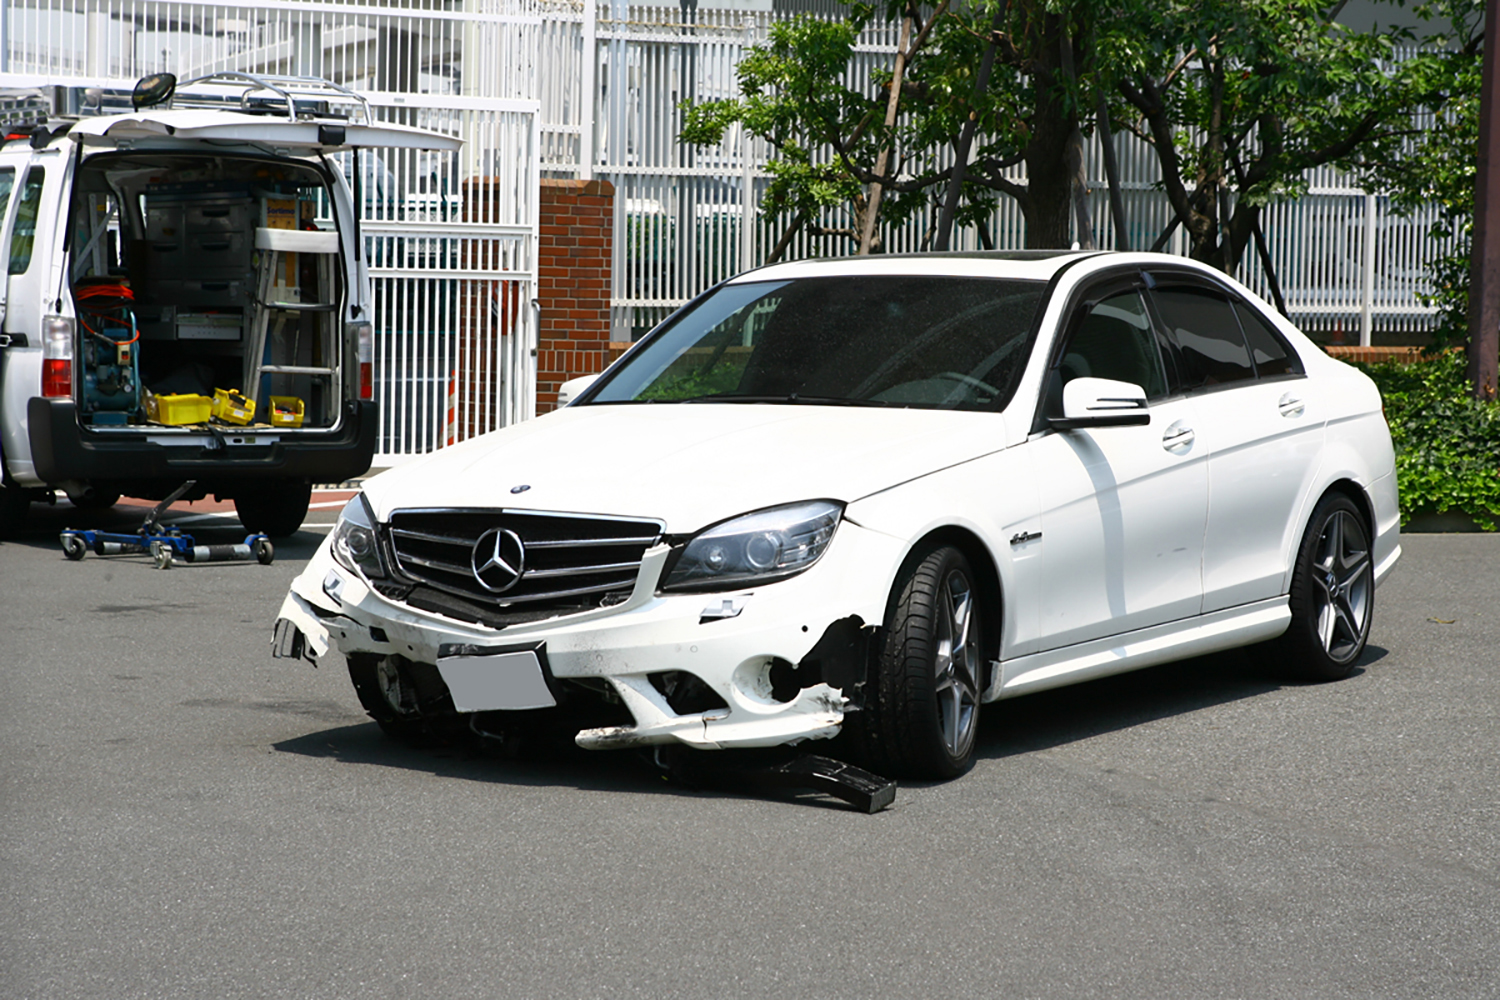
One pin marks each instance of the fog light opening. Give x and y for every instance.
(686, 694)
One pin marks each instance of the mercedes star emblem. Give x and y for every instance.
(498, 560)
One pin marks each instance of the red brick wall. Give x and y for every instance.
(577, 225)
(573, 277)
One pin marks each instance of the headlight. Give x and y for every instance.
(354, 544)
(762, 547)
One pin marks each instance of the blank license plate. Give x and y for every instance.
(496, 682)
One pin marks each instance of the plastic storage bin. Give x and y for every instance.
(182, 408)
(286, 411)
(233, 408)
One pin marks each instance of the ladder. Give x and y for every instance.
(273, 308)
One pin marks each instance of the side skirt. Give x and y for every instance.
(1145, 647)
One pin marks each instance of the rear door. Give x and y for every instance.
(1262, 430)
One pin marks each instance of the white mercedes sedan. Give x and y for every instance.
(863, 498)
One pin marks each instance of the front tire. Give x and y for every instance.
(1332, 595)
(385, 698)
(921, 714)
(276, 509)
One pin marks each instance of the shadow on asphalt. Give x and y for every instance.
(1023, 725)
(1066, 715)
(553, 764)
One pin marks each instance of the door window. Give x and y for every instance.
(1271, 355)
(7, 181)
(23, 236)
(1212, 347)
(1114, 340)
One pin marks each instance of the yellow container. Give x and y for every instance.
(233, 408)
(182, 408)
(286, 411)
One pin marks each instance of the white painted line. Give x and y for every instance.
(329, 503)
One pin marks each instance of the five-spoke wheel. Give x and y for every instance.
(921, 702)
(1332, 596)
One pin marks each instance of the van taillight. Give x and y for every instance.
(366, 353)
(57, 356)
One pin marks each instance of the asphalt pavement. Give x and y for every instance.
(182, 816)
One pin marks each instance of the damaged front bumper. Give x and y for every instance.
(781, 663)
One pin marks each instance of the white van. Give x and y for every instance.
(186, 296)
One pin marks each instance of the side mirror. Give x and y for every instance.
(1101, 402)
(574, 387)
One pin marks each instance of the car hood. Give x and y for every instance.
(688, 465)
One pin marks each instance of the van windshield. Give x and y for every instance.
(922, 341)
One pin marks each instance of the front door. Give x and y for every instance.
(1123, 507)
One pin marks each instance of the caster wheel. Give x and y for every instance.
(73, 547)
(162, 554)
(265, 552)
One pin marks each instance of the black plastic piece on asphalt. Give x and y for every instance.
(869, 793)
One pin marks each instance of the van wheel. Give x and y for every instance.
(275, 509)
(922, 700)
(15, 503)
(1333, 595)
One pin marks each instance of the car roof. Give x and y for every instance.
(1026, 265)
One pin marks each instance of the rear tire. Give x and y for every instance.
(1332, 595)
(921, 711)
(276, 508)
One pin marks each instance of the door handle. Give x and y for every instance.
(1290, 406)
(1177, 437)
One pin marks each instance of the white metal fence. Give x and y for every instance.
(685, 217)
(450, 237)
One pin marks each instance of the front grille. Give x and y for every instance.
(572, 562)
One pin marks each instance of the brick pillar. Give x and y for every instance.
(573, 275)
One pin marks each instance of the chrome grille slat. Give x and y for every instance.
(569, 557)
(588, 543)
(543, 574)
(436, 564)
(422, 536)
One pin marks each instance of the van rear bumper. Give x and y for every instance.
(62, 450)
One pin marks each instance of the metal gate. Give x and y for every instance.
(450, 238)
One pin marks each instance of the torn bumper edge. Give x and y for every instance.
(298, 634)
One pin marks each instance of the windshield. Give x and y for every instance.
(886, 340)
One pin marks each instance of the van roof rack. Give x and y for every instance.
(299, 98)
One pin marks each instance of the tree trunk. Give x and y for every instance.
(872, 203)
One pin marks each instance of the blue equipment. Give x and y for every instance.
(165, 545)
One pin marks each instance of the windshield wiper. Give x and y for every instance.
(793, 398)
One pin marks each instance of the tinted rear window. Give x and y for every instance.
(1205, 327)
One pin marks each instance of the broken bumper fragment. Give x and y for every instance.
(766, 667)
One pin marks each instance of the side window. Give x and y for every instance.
(1114, 340)
(1270, 353)
(23, 236)
(7, 181)
(1204, 326)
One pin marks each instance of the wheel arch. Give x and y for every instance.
(981, 560)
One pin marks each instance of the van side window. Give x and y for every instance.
(7, 181)
(24, 235)
(1206, 330)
